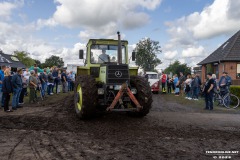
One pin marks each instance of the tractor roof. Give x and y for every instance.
(105, 41)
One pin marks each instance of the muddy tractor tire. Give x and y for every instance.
(85, 96)
(144, 95)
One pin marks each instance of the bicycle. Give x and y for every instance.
(226, 99)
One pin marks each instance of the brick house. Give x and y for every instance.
(225, 58)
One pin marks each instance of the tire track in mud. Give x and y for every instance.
(35, 150)
(11, 154)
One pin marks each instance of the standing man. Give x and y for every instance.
(17, 88)
(43, 79)
(32, 86)
(208, 91)
(64, 81)
(72, 76)
(225, 81)
(50, 83)
(56, 80)
(164, 79)
(1, 82)
(180, 82)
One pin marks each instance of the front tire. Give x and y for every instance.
(144, 95)
(85, 96)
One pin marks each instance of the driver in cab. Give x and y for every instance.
(103, 57)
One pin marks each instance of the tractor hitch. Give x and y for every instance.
(118, 98)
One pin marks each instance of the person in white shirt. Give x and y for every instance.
(26, 74)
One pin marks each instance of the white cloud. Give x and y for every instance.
(85, 35)
(6, 9)
(188, 32)
(101, 17)
(170, 55)
(217, 19)
(221, 17)
(46, 22)
(193, 52)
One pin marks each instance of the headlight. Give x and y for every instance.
(134, 91)
(100, 91)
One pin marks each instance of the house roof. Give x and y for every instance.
(228, 51)
(10, 60)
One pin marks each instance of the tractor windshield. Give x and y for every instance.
(106, 53)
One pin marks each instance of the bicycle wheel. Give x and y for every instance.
(231, 101)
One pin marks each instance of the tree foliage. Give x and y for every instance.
(54, 61)
(24, 58)
(146, 56)
(177, 67)
(38, 63)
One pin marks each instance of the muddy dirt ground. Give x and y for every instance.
(50, 130)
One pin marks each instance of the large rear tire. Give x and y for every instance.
(144, 95)
(85, 96)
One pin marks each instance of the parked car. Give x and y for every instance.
(153, 80)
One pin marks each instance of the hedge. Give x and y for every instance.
(235, 90)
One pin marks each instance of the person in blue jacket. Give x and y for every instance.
(1, 81)
(17, 88)
(225, 82)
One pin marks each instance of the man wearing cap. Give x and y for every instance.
(208, 91)
(17, 88)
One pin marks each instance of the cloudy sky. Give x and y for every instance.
(187, 30)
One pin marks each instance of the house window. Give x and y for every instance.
(238, 71)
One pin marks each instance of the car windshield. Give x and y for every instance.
(152, 76)
(106, 53)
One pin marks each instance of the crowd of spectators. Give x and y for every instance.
(191, 86)
(28, 83)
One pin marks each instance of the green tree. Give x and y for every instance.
(146, 56)
(38, 63)
(24, 58)
(54, 61)
(177, 67)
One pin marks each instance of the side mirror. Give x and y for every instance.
(81, 54)
(133, 56)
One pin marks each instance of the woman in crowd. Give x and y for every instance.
(7, 89)
(214, 77)
(188, 87)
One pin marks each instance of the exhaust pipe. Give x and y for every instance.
(119, 48)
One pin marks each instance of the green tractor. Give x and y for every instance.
(107, 83)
